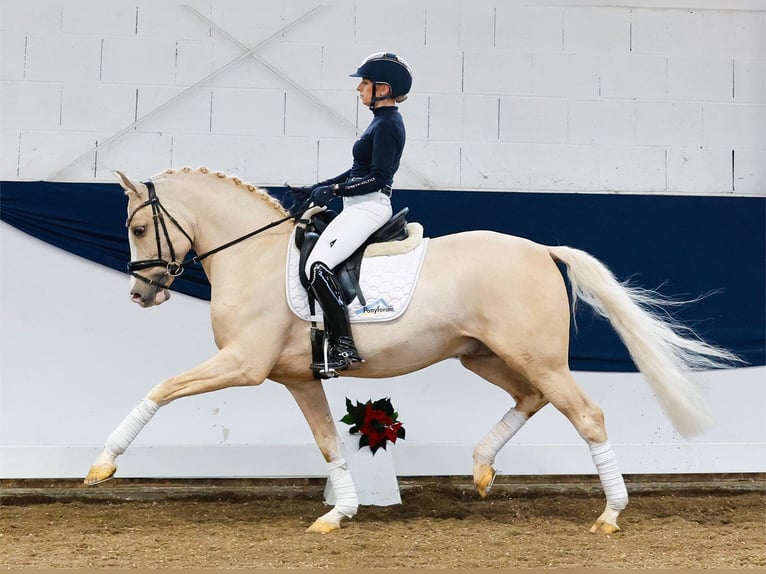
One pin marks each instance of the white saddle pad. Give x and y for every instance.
(387, 283)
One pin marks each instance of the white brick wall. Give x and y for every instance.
(95, 107)
(507, 94)
(66, 58)
(671, 33)
(699, 170)
(190, 114)
(248, 112)
(563, 75)
(13, 46)
(629, 75)
(750, 171)
(620, 167)
(601, 122)
(540, 120)
(668, 123)
(705, 79)
(30, 106)
(137, 60)
(40, 151)
(142, 153)
(597, 29)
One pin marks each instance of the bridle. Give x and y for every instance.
(174, 267)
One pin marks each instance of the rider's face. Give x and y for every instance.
(365, 90)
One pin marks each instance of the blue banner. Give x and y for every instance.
(683, 246)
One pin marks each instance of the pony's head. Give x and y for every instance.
(158, 243)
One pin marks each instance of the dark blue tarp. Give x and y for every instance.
(683, 245)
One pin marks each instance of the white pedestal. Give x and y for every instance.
(373, 476)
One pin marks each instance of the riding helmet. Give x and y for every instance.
(387, 68)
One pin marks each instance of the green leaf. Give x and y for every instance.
(384, 405)
(348, 419)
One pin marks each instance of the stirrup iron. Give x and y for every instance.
(326, 370)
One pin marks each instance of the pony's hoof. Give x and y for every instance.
(100, 473)
(322, 527)
(602, 527)
(484, 478)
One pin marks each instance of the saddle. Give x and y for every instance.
(347, 273)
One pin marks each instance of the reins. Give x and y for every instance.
(175, 268)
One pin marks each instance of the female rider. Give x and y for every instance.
(366, 191)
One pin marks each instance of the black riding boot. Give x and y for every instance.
(342, 354)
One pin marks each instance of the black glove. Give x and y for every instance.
(299, 196)
(323, 195)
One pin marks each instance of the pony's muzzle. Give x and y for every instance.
(156, 297)
(148, 293)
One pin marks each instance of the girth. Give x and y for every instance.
(348, 272)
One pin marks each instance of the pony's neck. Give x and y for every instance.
(219, 208)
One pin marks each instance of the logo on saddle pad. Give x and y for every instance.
(380, 305)
(386, 281)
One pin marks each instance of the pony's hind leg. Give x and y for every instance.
(564, 393)
(528, 402)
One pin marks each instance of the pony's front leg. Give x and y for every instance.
(221, 371)
(104, 467)
(312, 401)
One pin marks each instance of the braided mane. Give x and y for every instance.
(231, 180)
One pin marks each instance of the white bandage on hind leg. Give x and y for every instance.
(487, 449)
(346, 501)
(609, 474)
(126, 432)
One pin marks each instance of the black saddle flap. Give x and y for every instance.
(308, 240)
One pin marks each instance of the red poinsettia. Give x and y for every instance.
(375, 421)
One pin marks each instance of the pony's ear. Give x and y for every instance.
(128, 184)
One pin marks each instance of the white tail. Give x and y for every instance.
(665, 352)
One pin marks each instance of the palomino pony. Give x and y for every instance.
(515, 335)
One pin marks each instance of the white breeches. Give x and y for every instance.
(360, 217)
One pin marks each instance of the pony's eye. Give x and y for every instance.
(139, 230)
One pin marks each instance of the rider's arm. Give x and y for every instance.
(333, 180)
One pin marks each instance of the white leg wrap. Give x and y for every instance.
(126, 432)
(503, 431)
(346, 501)
(609, 474)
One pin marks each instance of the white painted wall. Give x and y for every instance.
(511, 95)
(566, 96)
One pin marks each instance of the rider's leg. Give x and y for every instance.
(361, 216)
(343, 354)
